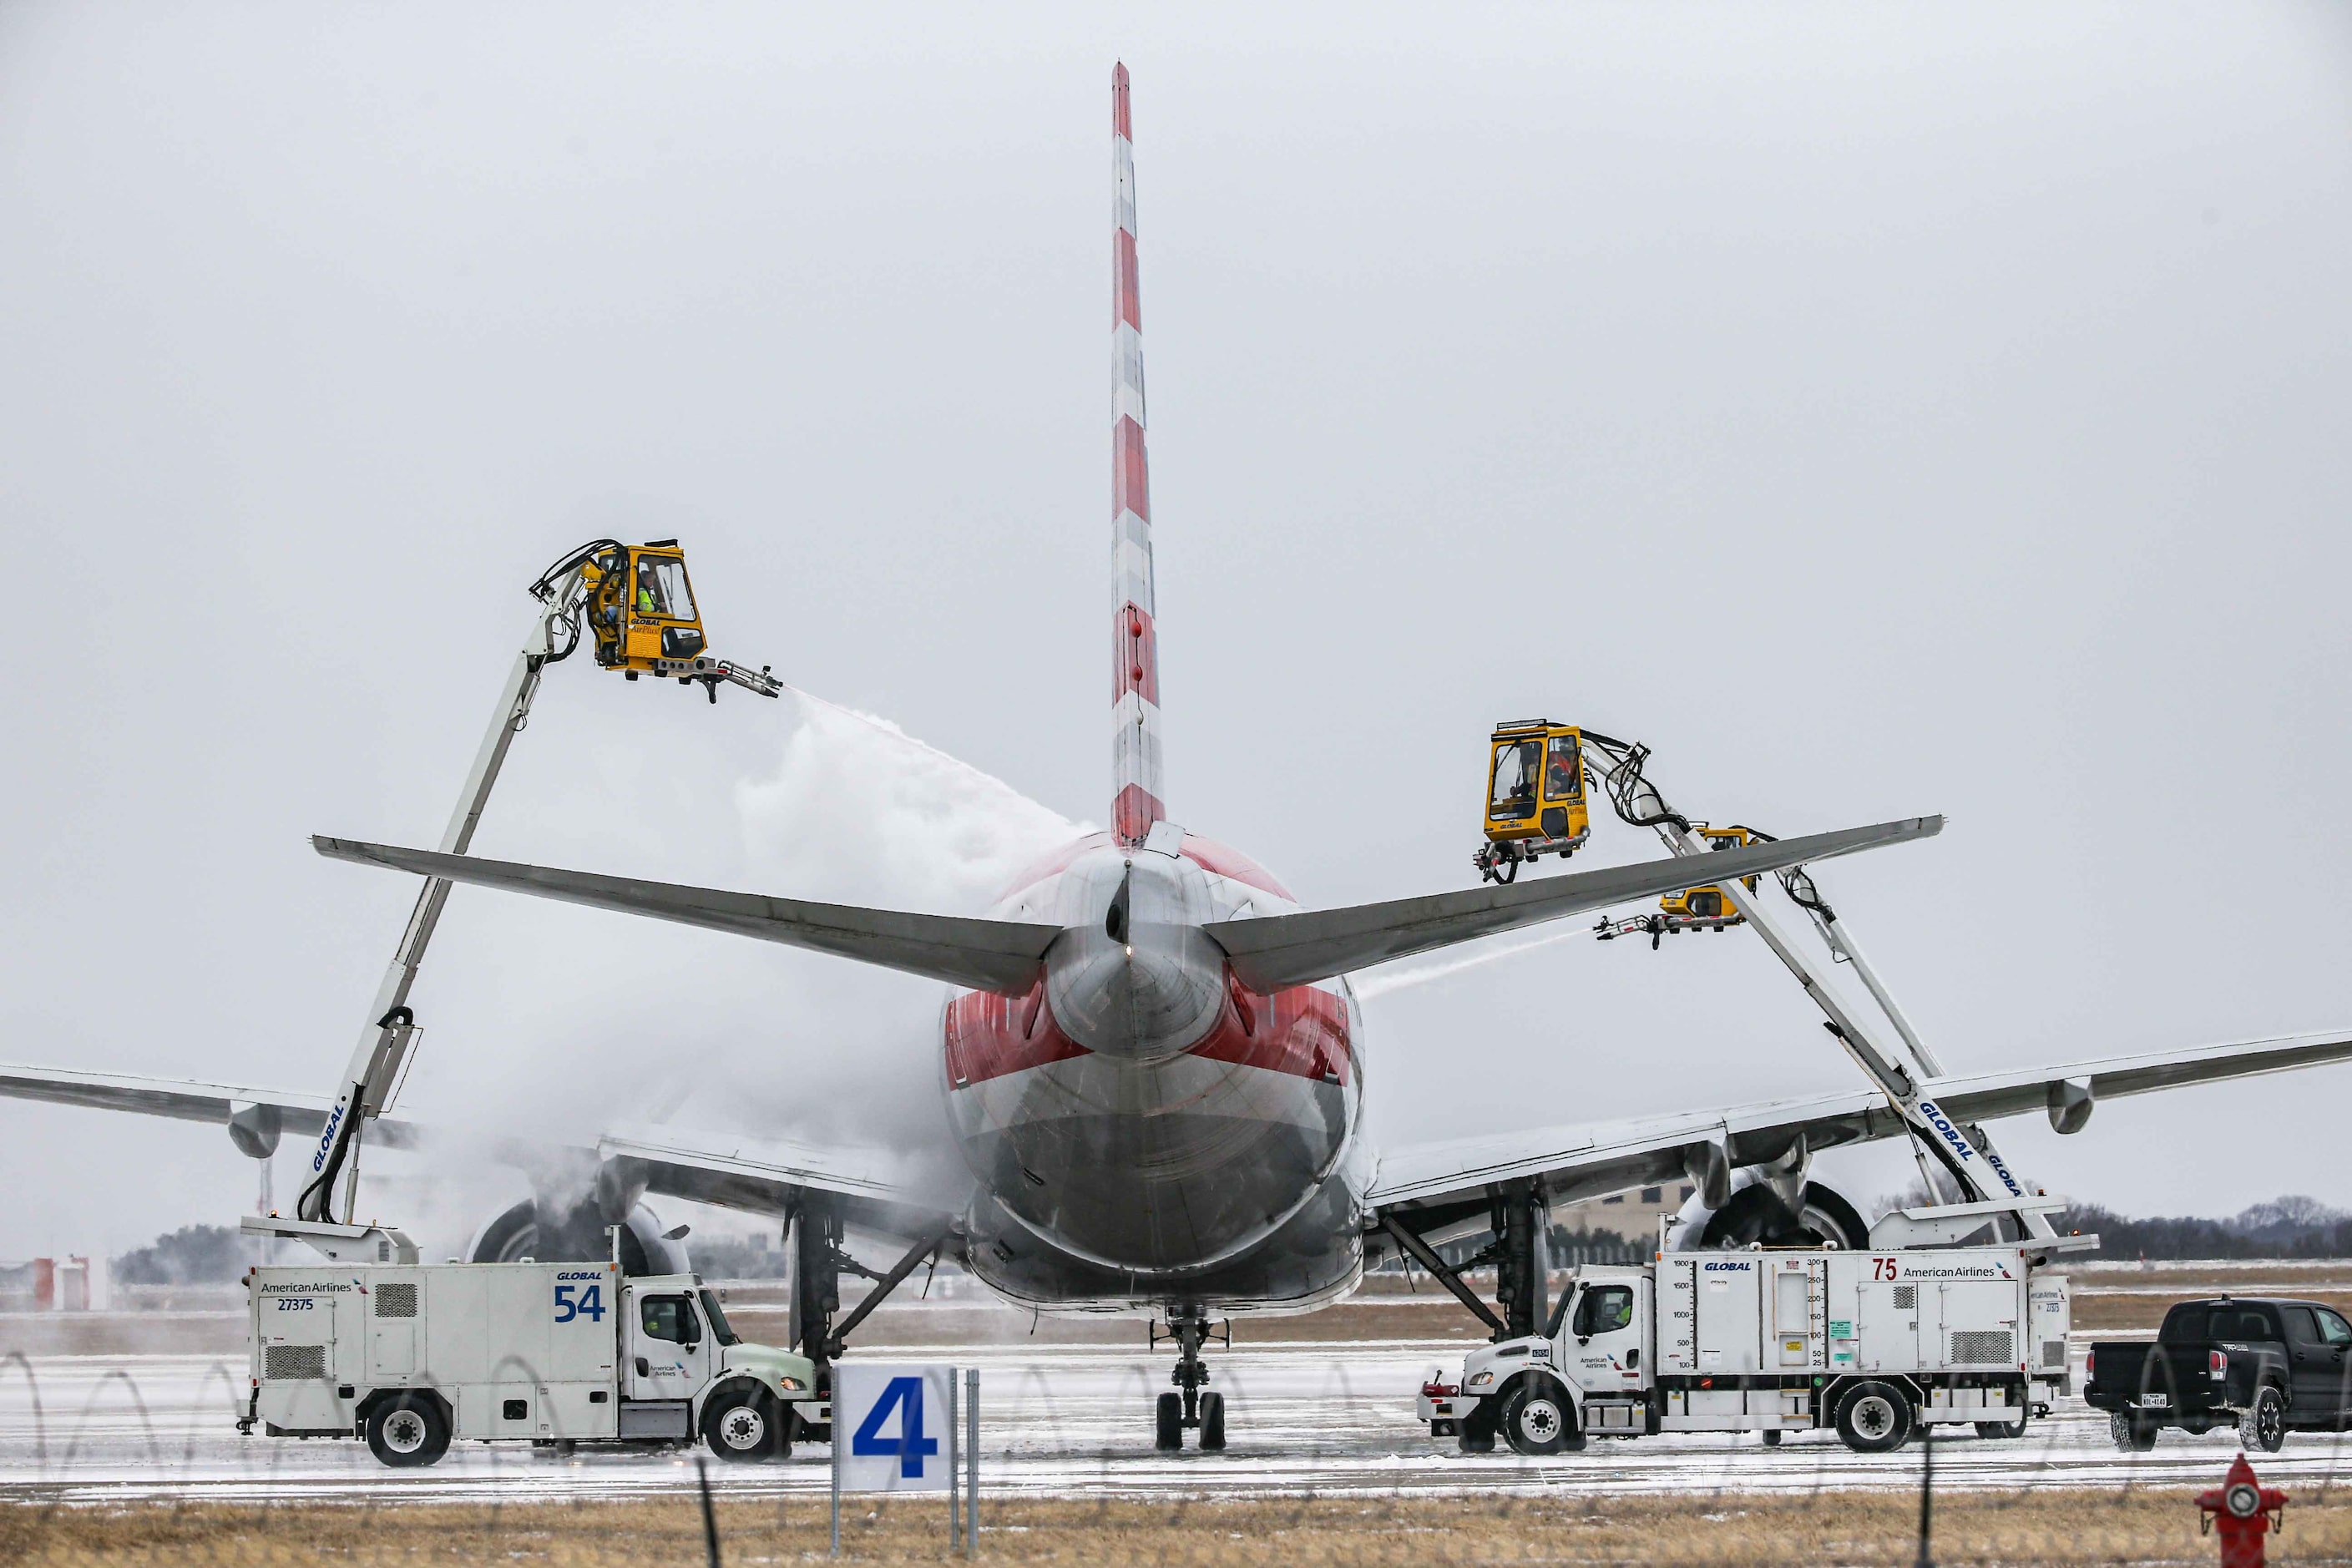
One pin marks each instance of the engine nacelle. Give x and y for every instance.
(1754, 1211)
(553, 1232)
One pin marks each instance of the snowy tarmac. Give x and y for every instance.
(1057, 1421)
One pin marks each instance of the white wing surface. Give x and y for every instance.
(1582, 1162)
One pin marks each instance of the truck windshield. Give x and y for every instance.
(720, 1329)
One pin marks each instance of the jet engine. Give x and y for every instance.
(1756, 1210)
(555, 1231)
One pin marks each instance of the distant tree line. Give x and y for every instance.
(2284, 1227)
(192, 1255)
(2294, 1226)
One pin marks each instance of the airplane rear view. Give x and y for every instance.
(1151, 1059)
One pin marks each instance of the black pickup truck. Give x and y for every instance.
(2264, 1365)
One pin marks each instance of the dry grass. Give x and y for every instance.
(2097, 1312)
(2047, 1526)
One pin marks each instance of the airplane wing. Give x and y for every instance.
(878, 1191)
(982, 954)
(1274, 952)
(184, 1099)
(1583, 1162)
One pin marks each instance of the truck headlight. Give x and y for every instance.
(790, 1385)
(1481, 1380)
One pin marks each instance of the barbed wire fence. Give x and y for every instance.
(136, 1459)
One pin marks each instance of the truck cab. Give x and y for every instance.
(1586, 1373)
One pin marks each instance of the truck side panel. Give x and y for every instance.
(307, 1339)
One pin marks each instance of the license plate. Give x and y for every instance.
(2155, 1401)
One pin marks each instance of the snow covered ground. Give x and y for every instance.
(1058, 1420)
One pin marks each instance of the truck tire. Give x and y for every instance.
(2131, 1436)
(2001, 1429)
(2263, 1425)
(1537, 1419)
(1874, 1418)
(408, 1430)
(743, 1423)
(1213, 1422)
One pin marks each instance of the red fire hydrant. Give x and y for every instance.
(2245, 1510)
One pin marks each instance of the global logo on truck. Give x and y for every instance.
(1941, 1123)
(327, 1138)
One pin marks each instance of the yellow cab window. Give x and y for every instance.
(661, 588)
(1563, 779)
(1517, 762)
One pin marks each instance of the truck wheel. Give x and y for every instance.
(2001, 1429)
(2130, 1436)
(1537, 1419)
(1213, 1422)
(741, 1424)
(1874, 1418)
(407, 1430)
(2264, 1426)
(1170, 1423)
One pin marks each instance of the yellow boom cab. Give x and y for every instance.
(1535, 796)
(641, 609)
(1708, 904)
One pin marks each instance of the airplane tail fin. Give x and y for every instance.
(1136, 800)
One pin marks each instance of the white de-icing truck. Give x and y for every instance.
(1872, 1345)
(408, 1356)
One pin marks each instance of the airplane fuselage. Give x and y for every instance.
(1146, 1131)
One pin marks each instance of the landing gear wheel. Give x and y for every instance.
(407, 1431)
(1213, 1422)
(1169, 1437)
(2132, 1436)
(2001, 1429)
(1537, 1419)
(742, 1425)
(1874, 1418)
(2264, 1426)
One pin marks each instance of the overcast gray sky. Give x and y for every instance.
(1879, 409)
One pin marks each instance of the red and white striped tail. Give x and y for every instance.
(1135, 648)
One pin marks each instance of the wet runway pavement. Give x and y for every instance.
(1056, 1421)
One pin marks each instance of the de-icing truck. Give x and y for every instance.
(408, 1356)
(1872, 1345)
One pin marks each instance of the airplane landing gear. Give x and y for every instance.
(1190, 1408)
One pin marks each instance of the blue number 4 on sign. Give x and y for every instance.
(895, 1425)
(909, 1447)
